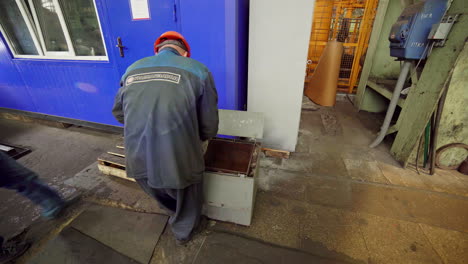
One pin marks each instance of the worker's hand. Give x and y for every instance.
(205, 145)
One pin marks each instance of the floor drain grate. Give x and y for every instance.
(14, 151)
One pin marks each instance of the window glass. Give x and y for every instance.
(50, 25)
(15, 28)
(83, 26)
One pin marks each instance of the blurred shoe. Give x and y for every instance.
(12, 251)
(58, 210)
(182, 242)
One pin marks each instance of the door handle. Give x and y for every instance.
(120, 46)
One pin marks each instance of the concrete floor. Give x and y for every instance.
(339, 199)
(334, 199)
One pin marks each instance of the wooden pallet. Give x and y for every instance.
(15, 152)
(112, 163)
(276, 153)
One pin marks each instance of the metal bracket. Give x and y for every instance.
(440, 31)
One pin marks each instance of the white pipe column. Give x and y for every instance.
(393, 103)
(278, 44)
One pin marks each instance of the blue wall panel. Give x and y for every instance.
(202, 24)
(216, 30)
(13, 91)
(77, 90)
(82, 90)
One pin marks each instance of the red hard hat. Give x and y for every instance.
(171, 35)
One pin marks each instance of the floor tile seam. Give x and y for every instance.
(393, 186)
(158, 242)
(199, 249)
(99, 242)
(361, 232)
(40, 245)
(430, 243)
(397, 219)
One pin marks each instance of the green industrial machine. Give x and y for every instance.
(441, 71)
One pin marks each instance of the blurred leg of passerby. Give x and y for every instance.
(15, 176)
(26, 182)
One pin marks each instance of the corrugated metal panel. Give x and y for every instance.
(218, 35)
(13, 91)
(78, 90)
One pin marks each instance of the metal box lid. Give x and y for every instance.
(240, 124)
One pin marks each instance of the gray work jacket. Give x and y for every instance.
(168, 105)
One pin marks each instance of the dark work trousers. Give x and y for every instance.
(183, 205)
(16, 177)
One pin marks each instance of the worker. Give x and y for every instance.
(14, 176)
(168, 105)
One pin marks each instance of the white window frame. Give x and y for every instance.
(32, 32)
(34, 29)
(66, 34)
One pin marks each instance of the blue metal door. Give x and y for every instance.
(136, 36)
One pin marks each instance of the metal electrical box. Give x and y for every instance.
(408, 36)
(232, 166)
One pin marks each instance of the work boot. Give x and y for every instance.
(12, 251)
(202, 225)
